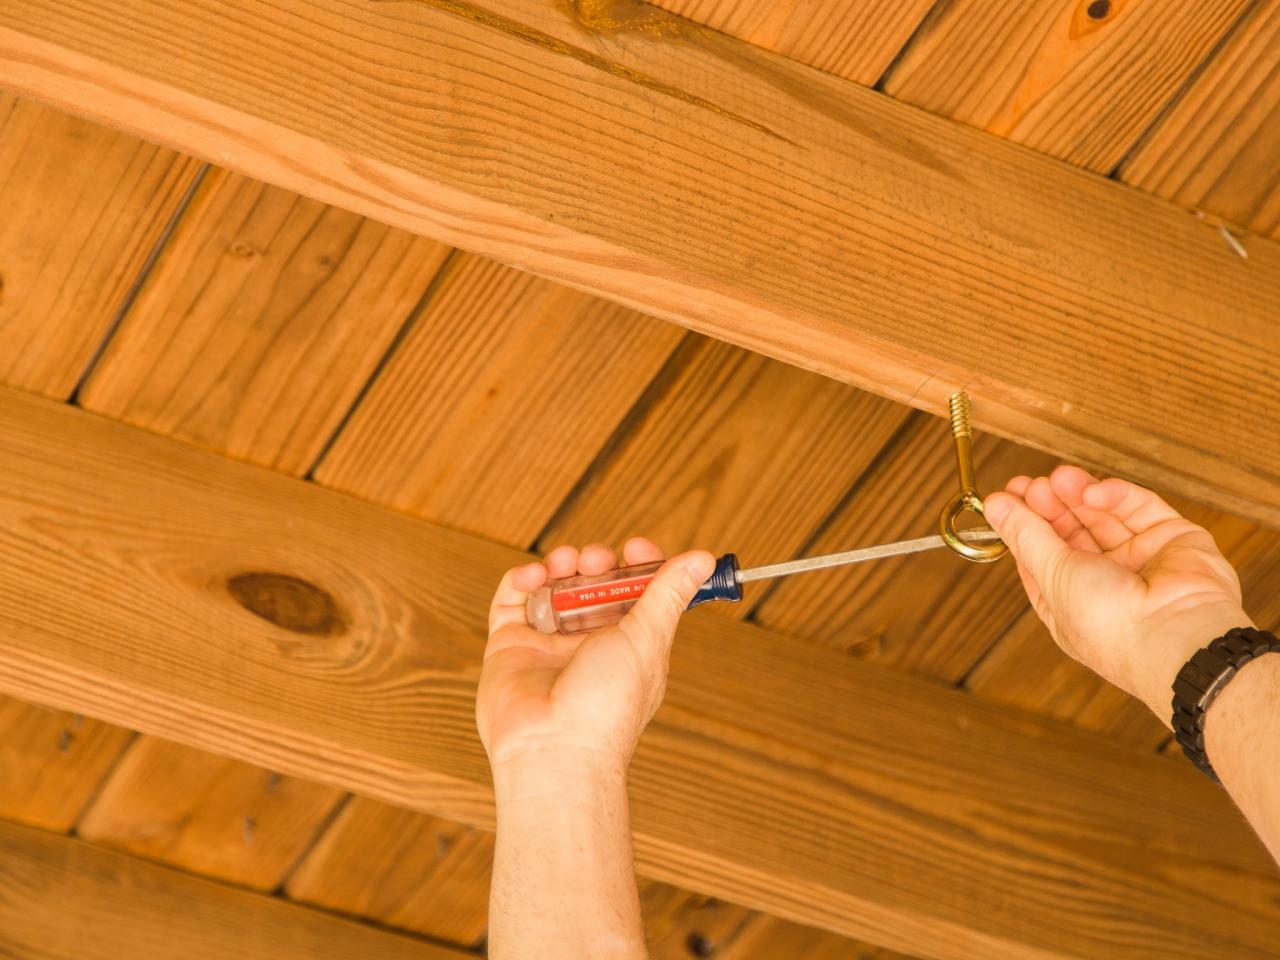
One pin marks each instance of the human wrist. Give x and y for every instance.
(559, 773)
(1172, 642)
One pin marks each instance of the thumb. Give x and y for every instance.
(1032, 541)
(657, 613)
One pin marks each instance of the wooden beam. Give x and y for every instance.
(779, 775)
(65, 899)
(625, 151)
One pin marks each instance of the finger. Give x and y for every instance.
(596, 558)
(1030, 538)
(1034, 596)
(641, 550)
(562, 562)
(1018, 486)
(521, 637)
(1138, 508)
(513, 591)
(1069, 483)
(1043, 500)
(653, 620)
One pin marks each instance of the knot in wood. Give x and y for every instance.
(289, 602)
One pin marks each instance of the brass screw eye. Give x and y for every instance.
(967, 498)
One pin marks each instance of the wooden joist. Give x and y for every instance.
(628, 152)
(779, 774)
(65, 899)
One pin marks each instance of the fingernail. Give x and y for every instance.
(701, 566)
(996, 508)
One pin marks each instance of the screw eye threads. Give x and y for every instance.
(959, 404)
(967, 498)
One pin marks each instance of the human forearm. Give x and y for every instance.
(560, 717)
(1242, 725)
(563, 883)
(1133, 590)
(1242, 740)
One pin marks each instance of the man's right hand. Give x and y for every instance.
(1125, 585)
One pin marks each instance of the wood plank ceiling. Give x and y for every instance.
(271, 328)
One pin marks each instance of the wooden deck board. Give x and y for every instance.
(1076, 80)
(209, 815)
(498, 400)
(1216, 148)
(52, 762)
(261, 322)
(83, 208)
(401, 868)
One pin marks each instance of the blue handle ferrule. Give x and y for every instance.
(721, 585)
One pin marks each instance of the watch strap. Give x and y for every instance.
(1203, 677)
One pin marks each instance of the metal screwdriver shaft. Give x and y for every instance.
(862, 555)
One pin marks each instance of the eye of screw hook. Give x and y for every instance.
(967, 498)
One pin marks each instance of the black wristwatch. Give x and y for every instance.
(1202, 678)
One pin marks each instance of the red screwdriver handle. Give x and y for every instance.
(577, 604)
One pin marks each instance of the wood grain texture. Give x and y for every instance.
(1216, 148)
(52, 762)
(931, 613)
(260, 323)
(777, 774)
(855, 39)
(497, 401)
(680, 925)
(732, 190)
(766, 936)
(207, 814)
(1078, 80)
(401, 868)
(1026, 669)
(68, 900)
(83, 208)
(684, 926)
(733, 452)
(255, 332)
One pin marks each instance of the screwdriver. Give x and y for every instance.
(577, 604)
